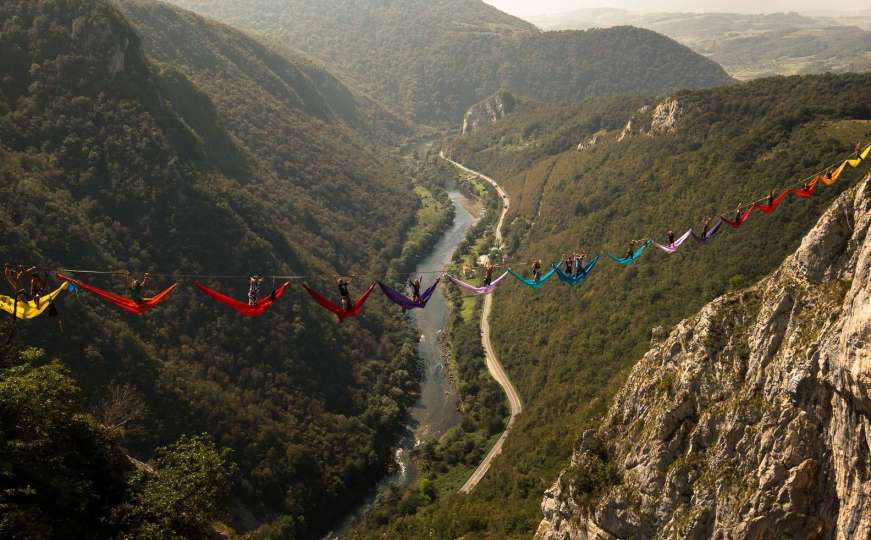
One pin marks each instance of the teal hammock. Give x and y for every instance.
(577, 279)
(531, 282)
(626, 261)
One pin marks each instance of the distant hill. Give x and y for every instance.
(433, 59)
(180, 145)
(747, 46)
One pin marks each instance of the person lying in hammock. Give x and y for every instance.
(135, 286)
(37, 286)
(536, 270)
(414, 284)
(344, 292)
(579, 262)
(254, 289)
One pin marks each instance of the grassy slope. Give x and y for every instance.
(568, 351)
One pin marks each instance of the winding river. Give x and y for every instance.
(436, 410)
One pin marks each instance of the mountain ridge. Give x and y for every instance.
(432, 69)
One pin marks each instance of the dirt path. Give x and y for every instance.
(493, 365)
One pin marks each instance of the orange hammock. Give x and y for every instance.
(339, 311)
(244, 308)
(127, 304)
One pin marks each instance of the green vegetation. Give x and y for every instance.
(63, 474)
(183, 145)
(432, 59)
(568, 351)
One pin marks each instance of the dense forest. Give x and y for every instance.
(431, 60)
(199, 150)
(568, 351)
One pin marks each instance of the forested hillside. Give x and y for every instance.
(196, 149)
(748, 46)
(568, 351)
(431, 60)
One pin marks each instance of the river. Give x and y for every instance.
(436, 410)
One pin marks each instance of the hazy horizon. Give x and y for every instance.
(547, 7)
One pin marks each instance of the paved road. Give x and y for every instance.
(493, 365)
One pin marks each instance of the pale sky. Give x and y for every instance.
(540, 7)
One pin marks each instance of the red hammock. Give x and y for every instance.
(127, 304)
(769, 208)
(741, 219)
(243, 308)
(811, 188)
(339, 311)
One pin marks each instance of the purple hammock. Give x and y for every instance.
(405, 302)
(672, 248)
(710, 234)
(479, 290)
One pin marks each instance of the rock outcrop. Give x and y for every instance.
(488, 112)
(751, 419)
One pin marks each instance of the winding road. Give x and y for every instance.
(493, 365)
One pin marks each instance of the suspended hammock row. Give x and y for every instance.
(22, 307)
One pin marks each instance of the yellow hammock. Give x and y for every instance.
(830, 179)
(28, 310)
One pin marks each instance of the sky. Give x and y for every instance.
(541, 7)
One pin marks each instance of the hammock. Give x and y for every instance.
(856, 161)
(576, 279)
(405, 302)
(833, 176)
(626, 261)
(712, 232)
(672, 248)
(769, 208)
(534, 284)
(127, 304)
(243, 308)
(479, 290)
(811, 189)
(339, 311)
(741, 219)
(28, 310)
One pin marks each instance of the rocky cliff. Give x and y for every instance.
(751, 419)
(488, 112)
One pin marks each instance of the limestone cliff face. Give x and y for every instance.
(488, 112)
(751, 419)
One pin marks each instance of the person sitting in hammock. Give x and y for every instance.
(135, 286)
(254, 289)
(858, 150)
(414, 284)
(37, 285)
(579, 262)
(739, 212)
(488, 274)
(770, 198)
(631, 253)
(670, 237)
(569, 262)
(342, 283)
(14, 278)
(706, 225)
(536, 270)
